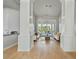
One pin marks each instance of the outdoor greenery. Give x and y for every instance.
(45, 28)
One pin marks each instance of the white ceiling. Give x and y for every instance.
(41, 7)
(47, 8)
(15, 4)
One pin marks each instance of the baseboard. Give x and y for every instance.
(9, 46)
(72, 54)
(24, 50)
(21, 50)
(69, 51)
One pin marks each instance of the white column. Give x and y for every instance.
(24, 37)
(57, 25)
(68, 40)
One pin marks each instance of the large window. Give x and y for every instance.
(46, 27)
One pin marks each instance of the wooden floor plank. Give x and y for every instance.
(41, 50)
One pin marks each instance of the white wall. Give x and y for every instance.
(68, 37)
(14, 4)
(24, 43)
(11, 20)
(10, 23)
(32, 31)
(9, 41)
(32, 36)
(35, 23)
(46, 21)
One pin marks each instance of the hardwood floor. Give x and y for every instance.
(41, 50)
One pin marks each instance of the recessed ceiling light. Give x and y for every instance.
(17, 1)
(48, 5)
